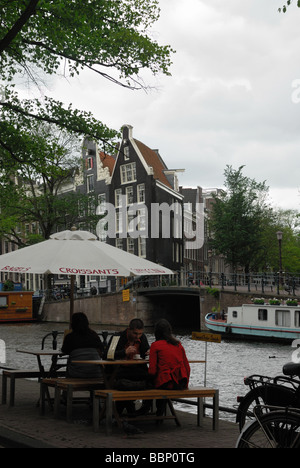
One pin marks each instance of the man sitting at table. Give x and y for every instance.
(131, 343)
(82, 344)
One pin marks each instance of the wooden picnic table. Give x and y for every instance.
(117, 363)
(42, 352)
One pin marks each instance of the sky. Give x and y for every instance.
(233, 97)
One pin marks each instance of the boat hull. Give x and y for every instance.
(16, 307)
(247, 332)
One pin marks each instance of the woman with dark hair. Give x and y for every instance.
(82, 344)
(168, 364)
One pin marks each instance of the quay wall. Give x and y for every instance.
(112, 312)
(109, 310)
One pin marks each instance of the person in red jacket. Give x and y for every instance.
(168, 364)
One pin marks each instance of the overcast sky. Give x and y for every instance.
(232, 98)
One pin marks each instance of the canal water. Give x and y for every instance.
(228, 362)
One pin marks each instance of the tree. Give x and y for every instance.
(33, 200)
(237, 219)
(288, 3)
(108, 37)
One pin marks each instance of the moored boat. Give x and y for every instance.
(16, 306)
(261, 322)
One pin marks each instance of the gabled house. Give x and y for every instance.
(148, 205)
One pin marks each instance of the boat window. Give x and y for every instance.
(283, 318)
(234, 314)
(297, 318)
(262, 314)
(3, 301)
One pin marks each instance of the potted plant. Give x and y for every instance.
(259, 301)
(274, 301)
(292, 302)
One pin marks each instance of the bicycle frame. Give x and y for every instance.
(275, 391)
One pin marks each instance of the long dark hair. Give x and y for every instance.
(163, 331)
(80, 323)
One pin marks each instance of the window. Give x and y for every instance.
(3, 301)
(90, 183)
(89, 163)
(129, 195)
(234, 314)
(128, 173)
(142, 219)
(119, 243)
(118, 195)
(130, 245)
(283, 318)
(262, 314)
(297, 318)
(141, 193)
(101, 203)
(130, 222)
(142, 246)
(126, 153)
(119, 222)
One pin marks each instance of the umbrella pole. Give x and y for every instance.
(72, 298)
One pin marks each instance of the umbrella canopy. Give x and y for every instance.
(77, 253)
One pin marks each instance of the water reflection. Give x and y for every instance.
(227, 362)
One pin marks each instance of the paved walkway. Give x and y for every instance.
(22, 425)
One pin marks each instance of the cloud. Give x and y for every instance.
(228, 101)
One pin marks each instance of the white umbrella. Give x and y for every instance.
(77, 253)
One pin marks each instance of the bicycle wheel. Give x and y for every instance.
(255, 397)
(278, 429)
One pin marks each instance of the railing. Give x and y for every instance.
(278, 284)
(272, 283)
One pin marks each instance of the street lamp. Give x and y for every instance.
(279, 238)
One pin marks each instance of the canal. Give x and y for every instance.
(228, 362)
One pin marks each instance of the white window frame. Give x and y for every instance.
(90, 184)
(130, 245)
(142, 246)
(283, 318)
(128, 173)
(129, 195)
(118, 195)
(141, 193)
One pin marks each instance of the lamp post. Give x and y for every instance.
(279, 238)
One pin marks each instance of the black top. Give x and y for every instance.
(121, 346)
(75, 340)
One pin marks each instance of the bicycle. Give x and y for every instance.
(279, 391)
(279, 427)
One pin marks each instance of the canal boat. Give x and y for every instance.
(260, 322)
(16, 306)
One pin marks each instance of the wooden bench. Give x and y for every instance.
(14, 374)
(112, 396)
(69, 386)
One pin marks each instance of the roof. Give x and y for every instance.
(153, 160)
(107, 161)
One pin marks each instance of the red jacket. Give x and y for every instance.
(168, 363)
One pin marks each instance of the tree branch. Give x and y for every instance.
(12, 33)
